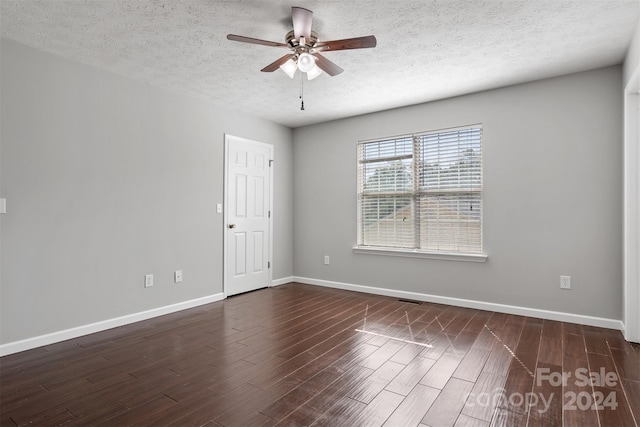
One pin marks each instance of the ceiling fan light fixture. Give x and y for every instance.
(306, 62)
(305, 49)
(289, 68)
(314, 72)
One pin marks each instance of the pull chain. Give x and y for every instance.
(302, 91)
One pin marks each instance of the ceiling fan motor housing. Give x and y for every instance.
(291, 40)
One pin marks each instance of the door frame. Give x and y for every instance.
(631, 232)
(228, 140)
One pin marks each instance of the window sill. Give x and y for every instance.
(420, 254)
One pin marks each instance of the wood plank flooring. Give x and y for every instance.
(301, 355)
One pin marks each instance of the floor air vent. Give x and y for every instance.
(410, 301)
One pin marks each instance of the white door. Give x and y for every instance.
(247, 215)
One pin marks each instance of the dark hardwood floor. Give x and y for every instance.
(300, 355)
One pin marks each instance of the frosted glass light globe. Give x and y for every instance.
(306, 62)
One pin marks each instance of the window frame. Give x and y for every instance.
(415, 195)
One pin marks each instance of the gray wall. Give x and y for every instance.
(108, 179)
(553, 197)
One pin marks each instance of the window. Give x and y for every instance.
(422, 192)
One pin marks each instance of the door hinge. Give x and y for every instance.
(269, 215)
(268, 264)
(271, 162)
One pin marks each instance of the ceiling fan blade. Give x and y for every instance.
(251, 40)
(354, 43)
(327, 66)
(276, 64)
(302, 19)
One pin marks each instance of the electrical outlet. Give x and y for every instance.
(148, 280)
(565, 282)
(177, 276)
(326, 260)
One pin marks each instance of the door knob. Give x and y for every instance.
(232, 226)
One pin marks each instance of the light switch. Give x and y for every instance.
(219, 208)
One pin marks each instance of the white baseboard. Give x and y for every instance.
(282, 281)
(480, 305)
(29, 343)
(54, 337)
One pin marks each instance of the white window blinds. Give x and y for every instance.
(422, 192)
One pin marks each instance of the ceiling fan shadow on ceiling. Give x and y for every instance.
(305, 48)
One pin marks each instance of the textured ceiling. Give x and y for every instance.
(427, 50)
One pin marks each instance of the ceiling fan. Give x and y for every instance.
(305, 48)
